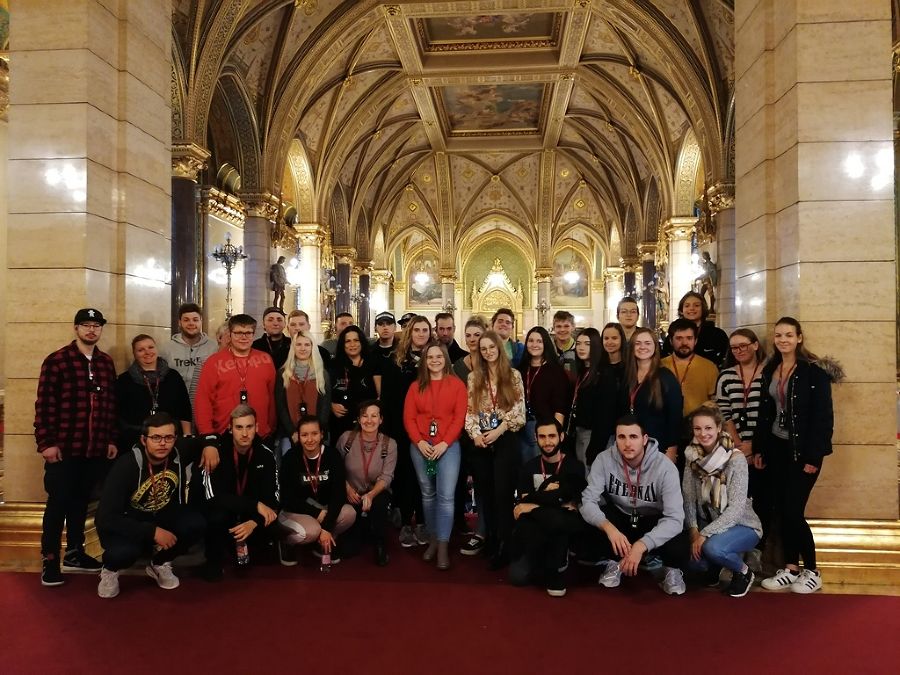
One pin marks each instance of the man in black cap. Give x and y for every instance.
(74, 426)
(405, 319)
(273, 340)
(385, 329)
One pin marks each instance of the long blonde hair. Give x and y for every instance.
(507, 392)
(315, 362)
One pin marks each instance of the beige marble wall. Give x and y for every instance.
(89, 192)
(814, 218)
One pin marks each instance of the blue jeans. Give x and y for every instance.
(529, 446)
(726, 549)
(438, 491)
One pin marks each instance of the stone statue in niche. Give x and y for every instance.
(706, 282)
(661, 288)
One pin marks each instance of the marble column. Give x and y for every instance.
(678, 232)
(615, 290)
(311, 237)
(647, 253)
(598, 303)
(814, 219)
(632, 267)
(188, 159)
(89, 185)
(721, 204)
(543, 310)
(448, 293)
(262, 212)
(344, 257)
(364, 291)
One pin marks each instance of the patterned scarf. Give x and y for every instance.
(710, 469)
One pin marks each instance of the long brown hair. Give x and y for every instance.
(730, 359)
(652, 379)
(423, 377)
(803, 354)
(404, 344)
(507, 392)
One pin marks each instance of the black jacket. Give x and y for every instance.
(297, 494)
(278, 350)
(712, 343)
(809, 412)
(134, 400)
(261, 486)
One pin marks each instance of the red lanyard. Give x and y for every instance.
(632, 395)
(578, 386)
(747, 387)
(242, 373)
(529, 378)
(370, 452)
(242, 481)
(675, 367)
(314, 480)
(782, 383)
(558, 467)
(632, 487)
(492, 394)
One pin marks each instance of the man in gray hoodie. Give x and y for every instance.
(186, 351)
(634, 501)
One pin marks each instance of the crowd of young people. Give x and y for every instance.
(582, 445)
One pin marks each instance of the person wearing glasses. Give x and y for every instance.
(143, 511)
(628, 314)
(75, 428)
(738, 395)
(239, 374)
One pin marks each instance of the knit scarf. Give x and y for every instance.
(710, 469)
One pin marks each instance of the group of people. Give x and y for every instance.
(604, 446)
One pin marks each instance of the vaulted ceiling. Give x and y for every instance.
(432, 116)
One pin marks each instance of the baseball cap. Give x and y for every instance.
(384, 317)
(87, 314)
(406, 318)
(269, 310)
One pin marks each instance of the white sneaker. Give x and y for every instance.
(781, 581)
(163, 575)
(109, 584)
(809, 581)
(611, 576)
(673, 582)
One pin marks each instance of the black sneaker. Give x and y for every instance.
(711, 576)
(740, 584)
(50, 574)
(472, 547)
(287, 554)
(556, 584)
(76, 560)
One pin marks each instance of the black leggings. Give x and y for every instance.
(495, 470)
(791, 487)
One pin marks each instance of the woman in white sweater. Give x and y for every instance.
(717, 511)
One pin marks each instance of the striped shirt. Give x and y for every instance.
(730, 399)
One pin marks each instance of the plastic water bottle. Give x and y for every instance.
(243, 554)
(325, 564)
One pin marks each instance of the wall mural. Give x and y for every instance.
(571, 281)
(478, 266)
(482, 109)
(489, 31)
(424, 281)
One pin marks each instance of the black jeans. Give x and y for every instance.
(218, 540)
(496, 469)
(674, 553)
(405, 487)
(121, 551)
(790, 490)
(69, 484)
(372, 526)
(540, 543)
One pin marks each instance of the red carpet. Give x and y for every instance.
(409, 618)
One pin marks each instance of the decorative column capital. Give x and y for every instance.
(262, 205)
(720, 197)
(363, 267)
(380, 276)
(543, 274)
(310, 234)
(222, 205)
(679, 228)
(188, 160)
(614, 275)
(631, 263)
(344, 255)
(647, 250)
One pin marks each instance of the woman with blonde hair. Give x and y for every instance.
(496, 410)
(302, 388)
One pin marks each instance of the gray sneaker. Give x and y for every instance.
(422, 535)
(611, 576)
(407, 537)
(109, 584)
(673, 581)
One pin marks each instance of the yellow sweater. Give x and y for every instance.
(698, 380)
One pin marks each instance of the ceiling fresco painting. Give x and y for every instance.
(492, 109)
(489, 31)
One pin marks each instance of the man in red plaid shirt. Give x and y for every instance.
(74, 425)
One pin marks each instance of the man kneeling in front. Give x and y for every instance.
(142, 508)
(634, 501)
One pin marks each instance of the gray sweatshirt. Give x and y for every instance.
(187, 359)
(740, 507)
(658, 492)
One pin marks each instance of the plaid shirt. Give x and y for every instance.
(76, 403)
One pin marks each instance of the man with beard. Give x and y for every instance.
(696, 375)
(74, 426)
(547, 517)
(445, 327)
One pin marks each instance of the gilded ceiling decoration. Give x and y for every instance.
(545, 112)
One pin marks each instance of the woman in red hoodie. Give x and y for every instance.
(433, 415)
